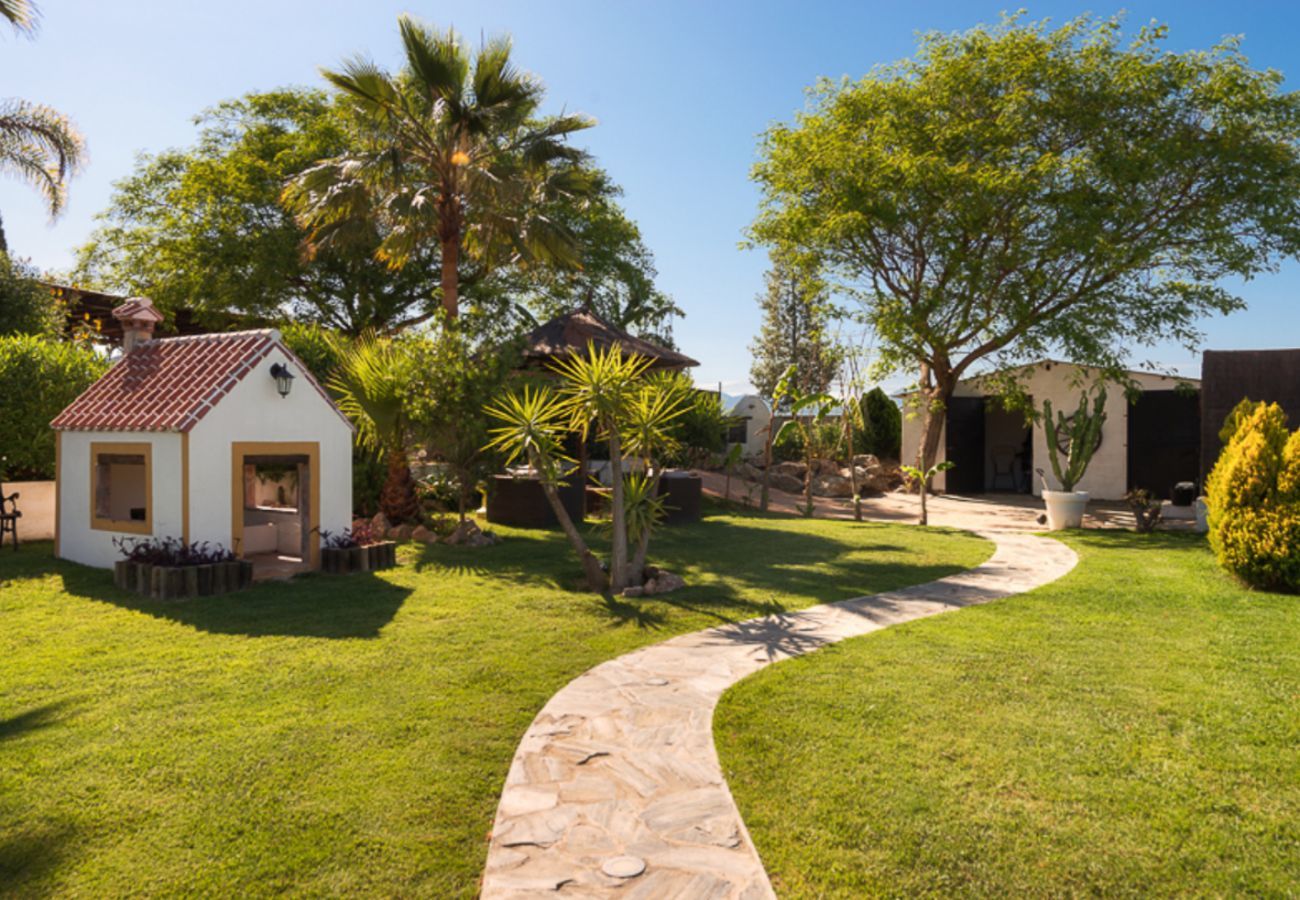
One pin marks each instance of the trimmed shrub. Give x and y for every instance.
(882, 426)
(38, 378)
(1253, 495)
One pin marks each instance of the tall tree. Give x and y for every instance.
(796, 319)
(1014, 191)
(456, 159)
(203, 228)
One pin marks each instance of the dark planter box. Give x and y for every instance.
(682, 494)
(371, 558)
(522, 502)
(182, 582)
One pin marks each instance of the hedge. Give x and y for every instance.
(38, 378)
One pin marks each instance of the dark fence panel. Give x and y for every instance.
(1227, 376)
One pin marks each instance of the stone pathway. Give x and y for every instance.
(616, 789)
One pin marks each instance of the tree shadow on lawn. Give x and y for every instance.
(34, 718)
(31, 851)
(314, 605)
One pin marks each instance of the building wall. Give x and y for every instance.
(77, 540)
(755, 409)
(1107, 475)
(36, 503)
(255, 412)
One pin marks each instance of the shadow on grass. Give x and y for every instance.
(324, 606)
(31, 852)
(32, 719)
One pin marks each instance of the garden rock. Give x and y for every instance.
(400, 533)
(832, 486)
(791, 469)
(423, 535)
(788, 483)
(865, 461)
(664, 582)
(750, 472)
(468, 534)
(380, 524)
(825, 467)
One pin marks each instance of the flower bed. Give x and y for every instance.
(168, 569)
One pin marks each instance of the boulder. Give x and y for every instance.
(792, 469)
(423, 535)
(749, 472)
(468, 534)
(825, 467)
(634, 591)
(380, 524)
(832, 486)
(400, 533)
(664, 582)
(788, 483)
(865, 461)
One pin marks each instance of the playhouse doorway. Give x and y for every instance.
(275, 507)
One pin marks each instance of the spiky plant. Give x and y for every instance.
(457, 156)
(40, 146)
(1082, 431)
(371, 386)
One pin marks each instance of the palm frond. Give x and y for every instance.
(439, 61)
(41, 146)
(21, 14)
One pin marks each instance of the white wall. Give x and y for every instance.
(755, 409)
(77, 540)
(1107, 475)
(36, 503)
(254, 411)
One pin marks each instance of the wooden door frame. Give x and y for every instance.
(241, 449)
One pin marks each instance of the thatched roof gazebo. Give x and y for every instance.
(570, 333)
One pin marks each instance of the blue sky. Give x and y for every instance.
(681, 91)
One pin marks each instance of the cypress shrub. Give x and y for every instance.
(1253, 495)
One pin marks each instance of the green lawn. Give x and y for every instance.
(1133, 729)
(343, 735)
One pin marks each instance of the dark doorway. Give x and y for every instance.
(1008, 450)
(964, 445)
(1164, 441)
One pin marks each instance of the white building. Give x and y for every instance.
(1152, 443)
(225, 438)
(754, 417)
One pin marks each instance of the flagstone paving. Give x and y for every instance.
(616, 789)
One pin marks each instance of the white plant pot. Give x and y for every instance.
(1065, 509)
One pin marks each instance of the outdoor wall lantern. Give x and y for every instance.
(283, 378)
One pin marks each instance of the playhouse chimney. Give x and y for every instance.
(138, 318)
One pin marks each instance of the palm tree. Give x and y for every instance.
(38, 145)
(21, 14)
(454, 154)
(41, 146)
(372, 384)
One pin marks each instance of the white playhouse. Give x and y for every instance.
(225, 438)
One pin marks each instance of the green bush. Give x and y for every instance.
(26, 306)
(882, 426)
(315, 346)
(788, 446)
(38, 378)
(701, 429)
(1253, 495)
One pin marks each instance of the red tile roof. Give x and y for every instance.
(171, 384)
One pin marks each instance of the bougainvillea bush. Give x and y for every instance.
(1254, 501)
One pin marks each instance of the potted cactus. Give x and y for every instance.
(1077, 437)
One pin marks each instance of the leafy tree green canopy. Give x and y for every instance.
(203, 227)
(1018, 189)
(26, 306)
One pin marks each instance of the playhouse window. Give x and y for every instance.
(121, 488)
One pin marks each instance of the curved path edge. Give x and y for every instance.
(620, 763)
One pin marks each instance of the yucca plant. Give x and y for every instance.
(457, 155)
(609, 392)
(371, 384)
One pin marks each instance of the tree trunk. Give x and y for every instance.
(618, 573)
(397, 499)
(636, 573)
(451, 277)
(808, 472)
(925, 490)
(853, 470)
(767, 465)
(596, 578)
